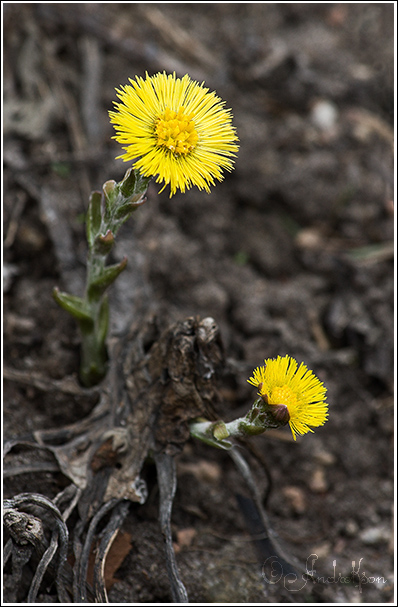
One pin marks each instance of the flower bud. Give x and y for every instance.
(280, 413)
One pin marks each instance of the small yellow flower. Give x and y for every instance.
(176, 129)
(281, 382)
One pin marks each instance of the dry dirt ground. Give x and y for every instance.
(291, 254)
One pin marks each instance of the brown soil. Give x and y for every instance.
(291, 254)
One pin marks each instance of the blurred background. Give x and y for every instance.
(291, 254)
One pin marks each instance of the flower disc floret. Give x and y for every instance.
(283, 382)
(176, 129)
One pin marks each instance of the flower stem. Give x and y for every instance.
(106, 214)
(217, 434)
(260, 418)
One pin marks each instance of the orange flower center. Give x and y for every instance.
(176, 131)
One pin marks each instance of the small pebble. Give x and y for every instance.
(325, 458)
(296, 498)
(324, 114)
(375, 535)
(318, 483)
(351, 528)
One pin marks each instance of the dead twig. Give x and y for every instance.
(167, 479)
(158, 381)
(107, 537)
(264, 530)
(28, 530)
(67, 385)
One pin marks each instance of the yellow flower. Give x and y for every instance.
(281, 382)
(176, 129)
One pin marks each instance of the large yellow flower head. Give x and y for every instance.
(176, 129)
(281, 382)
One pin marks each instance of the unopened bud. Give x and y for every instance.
(280, 413)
